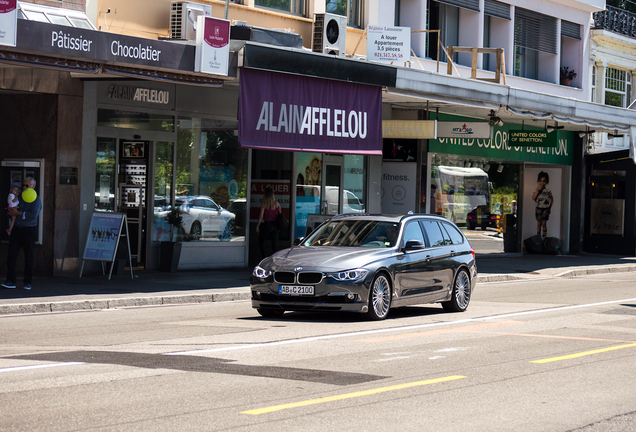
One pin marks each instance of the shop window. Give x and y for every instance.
(164, 164)
(355, 175)
(211, 180)
(297, 7)
(135, 120)
(105, 174)
(352, 9)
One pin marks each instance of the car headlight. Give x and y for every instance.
(350, 275)
(260, 272)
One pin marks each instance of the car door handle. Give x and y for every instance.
(428, 258)
(453, 253)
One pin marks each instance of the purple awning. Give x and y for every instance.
(297, 113)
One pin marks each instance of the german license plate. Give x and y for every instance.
(295, 290)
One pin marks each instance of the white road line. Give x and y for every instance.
(40, 366)
(394, 329)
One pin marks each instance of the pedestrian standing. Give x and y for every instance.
(269, 220)
(24, 235)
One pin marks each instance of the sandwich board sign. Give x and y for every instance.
(104, 235)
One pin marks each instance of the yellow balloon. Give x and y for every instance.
(29, 195)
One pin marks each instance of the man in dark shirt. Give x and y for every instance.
(23, 235)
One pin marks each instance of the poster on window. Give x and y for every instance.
(542, 202)
(8, 22)
(308, 179)
(213, 45)
(399, 183)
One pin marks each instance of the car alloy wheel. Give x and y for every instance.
(461, 293)
(195, 231)
(380, 298)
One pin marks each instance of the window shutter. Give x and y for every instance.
(466, 4)
(496, 9)
(570, 29)
(535, 31)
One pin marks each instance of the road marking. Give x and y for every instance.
(554, 336)
(443, 331)
(395, 329)
(582, 354)
(40, 366)
(350, 395)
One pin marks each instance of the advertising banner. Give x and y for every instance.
(298, 113)
(500, 146)
(399, 181)
(388, 44)
(103, 236)
(463, 129)
(213, 45)
(8, 22)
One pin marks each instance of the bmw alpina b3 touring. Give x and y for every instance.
(368, 264)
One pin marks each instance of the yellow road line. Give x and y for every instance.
(582, 354)
(351, 395)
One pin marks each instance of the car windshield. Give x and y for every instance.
(355, 233)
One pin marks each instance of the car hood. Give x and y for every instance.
(323, 258)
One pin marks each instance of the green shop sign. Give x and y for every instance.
(528, 145)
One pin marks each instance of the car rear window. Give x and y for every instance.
(455, 235)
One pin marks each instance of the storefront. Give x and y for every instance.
(313, 142)
(155, 146)
(479, 182)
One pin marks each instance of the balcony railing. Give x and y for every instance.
(616, 20)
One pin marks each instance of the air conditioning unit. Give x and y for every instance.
(183, 18)
(330, 34)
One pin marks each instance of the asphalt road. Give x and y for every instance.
(547, 354)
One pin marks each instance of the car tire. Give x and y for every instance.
(379, 298)
(472, 227)
(270, 313)
(460, 296)
(195, 231)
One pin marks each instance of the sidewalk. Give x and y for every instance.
(96, 292)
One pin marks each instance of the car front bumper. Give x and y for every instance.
(329, 295)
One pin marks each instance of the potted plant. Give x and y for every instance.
(171, 250)
(567, 76)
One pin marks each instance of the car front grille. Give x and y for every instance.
(285, 277)
(309, 278)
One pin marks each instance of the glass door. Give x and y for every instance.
(332, 184)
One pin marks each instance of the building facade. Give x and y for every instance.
(139, 123)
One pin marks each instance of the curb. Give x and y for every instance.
(118, 303)
(87, 305)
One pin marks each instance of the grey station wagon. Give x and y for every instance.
(368, 264)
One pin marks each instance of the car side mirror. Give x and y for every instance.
(298, 241)
(413, 245)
